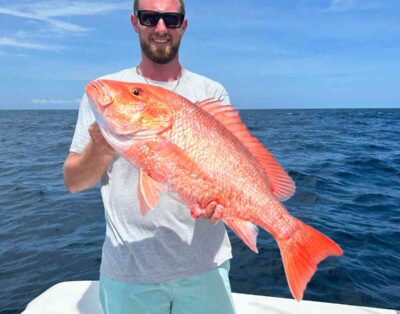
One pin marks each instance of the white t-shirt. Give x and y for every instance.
(167, 243)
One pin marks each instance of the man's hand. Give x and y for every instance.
(213, 212)
(99, 140)
(84, 170)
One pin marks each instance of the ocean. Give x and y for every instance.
(345, 162)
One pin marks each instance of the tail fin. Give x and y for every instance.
(301, 253)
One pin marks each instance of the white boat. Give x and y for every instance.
(81, 297)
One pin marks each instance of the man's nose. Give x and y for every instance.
(160, 27)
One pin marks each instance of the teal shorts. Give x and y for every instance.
(205, 293)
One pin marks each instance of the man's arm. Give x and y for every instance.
(82, 171)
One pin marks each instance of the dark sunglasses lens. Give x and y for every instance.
(173, 20)
(149, 18)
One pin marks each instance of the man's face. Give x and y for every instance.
(159, 43)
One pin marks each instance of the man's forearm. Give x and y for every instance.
(84, 170)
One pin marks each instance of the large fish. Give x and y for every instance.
(202, 152)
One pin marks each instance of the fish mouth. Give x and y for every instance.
(99, 94)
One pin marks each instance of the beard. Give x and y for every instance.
(159, 55)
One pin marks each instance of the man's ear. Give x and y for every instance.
(184, 25)
(134, 22)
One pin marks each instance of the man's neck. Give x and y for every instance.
(160, 72)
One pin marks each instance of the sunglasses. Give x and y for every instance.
(151, 18)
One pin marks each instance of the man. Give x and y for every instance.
(165, 262)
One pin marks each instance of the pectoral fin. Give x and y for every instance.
(149, 192)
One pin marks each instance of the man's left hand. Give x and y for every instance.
(213, 212)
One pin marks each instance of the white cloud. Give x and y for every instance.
(13, 42)
(342, 5)
(51, 15)
(56, 102)
(76, 8)
(347, 5)
(65, 26)
(50, 11)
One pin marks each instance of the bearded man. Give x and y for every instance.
(165, 262)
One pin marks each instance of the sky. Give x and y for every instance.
(268, 54)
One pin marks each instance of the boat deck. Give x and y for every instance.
(81, 297)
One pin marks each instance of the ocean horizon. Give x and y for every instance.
(236, 107)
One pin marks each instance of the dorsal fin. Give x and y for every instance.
(282, 185)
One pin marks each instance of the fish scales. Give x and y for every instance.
(221, 160)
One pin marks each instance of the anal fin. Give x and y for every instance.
(245, 230)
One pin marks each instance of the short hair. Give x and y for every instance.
(181, 3)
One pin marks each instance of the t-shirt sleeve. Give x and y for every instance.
(223, 95)
(85, 119)
(216, 90)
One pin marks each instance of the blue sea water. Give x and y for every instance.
(346, 164)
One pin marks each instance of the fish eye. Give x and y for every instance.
(136, 91)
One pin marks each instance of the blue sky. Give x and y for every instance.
(267, 53)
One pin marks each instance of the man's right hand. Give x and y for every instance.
(84, 170)
(99, 140)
